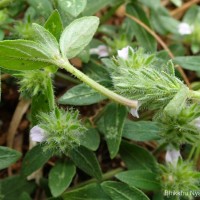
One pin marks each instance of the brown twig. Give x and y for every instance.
(161, 42)
(184, 7)
(5, 76)
(165, 2)
(17, 116)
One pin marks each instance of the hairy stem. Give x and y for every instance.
(64, 63)
(67, 77)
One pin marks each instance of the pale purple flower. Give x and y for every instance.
(123, 53)
(172, 156)
(185, 29)
(38, 134)
(134, 111)
(101, 51)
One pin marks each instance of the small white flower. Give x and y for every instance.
(101, 51)
(38, 134)
(134, 111)
(123, 53)
(197, 122)
(185, 29)
(172, 156)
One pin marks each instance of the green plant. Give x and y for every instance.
(138, 79)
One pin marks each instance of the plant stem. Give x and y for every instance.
(64, 63)
(67, 77)
(105, 176)
(50, 95)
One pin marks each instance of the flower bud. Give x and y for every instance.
(123, 53)
(172, 156)
(101, 51)
(185, 29)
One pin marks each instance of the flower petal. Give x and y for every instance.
(38, 134)
(101, 51)
(123, 53)
(185, 29)
(172, 156)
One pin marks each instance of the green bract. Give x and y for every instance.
(137, 77)
(33, 82)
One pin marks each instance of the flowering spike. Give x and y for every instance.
(64, 130)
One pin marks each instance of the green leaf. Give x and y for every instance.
(39, 104)
(142, 130)
(77, 36)
(163, 22)
(44, 7)
(91, 139)
(153, 4)
(121, 191)
(12, 187)
(24, 196)
(98, 73)
(137, 158)
(88, 192)
(179, 99)
(93, 6)
(47, 41)
(60, 177)
(86, 161)
(143, 37)
(111, 125)
(22, 55)
(81, 95)
(188, 62)
(54, 25)
(191, 14)
(34, 159)
(140, 179)
(169, 24)
(73, 7)
(8, 156)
